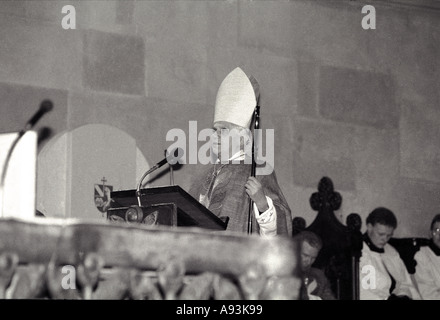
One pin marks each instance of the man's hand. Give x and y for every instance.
(255, 191)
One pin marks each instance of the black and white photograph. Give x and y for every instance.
(219, 154)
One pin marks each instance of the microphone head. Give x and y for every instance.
(46, 105)
(175, 155)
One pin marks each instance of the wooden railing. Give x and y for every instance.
(71, 259)
(342, 245)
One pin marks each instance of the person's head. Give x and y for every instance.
(435, 230)
(235, 103)
(310, 245)
(381, 223)
(237, 138)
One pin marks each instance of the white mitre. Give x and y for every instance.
(237, 98)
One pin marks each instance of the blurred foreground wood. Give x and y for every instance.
(77, 259)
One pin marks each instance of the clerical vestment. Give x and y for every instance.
(316, 286)
(376, 270)
(427, 275)
(221, 189)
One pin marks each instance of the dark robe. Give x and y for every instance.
(321, 287)
(221, 188)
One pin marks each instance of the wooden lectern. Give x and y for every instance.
(168, 205)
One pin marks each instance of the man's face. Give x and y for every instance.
(235, 135)
(308, 255)
(436, 234)
(379, 234)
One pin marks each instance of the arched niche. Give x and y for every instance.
(75, 167)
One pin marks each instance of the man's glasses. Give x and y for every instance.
(436, 231)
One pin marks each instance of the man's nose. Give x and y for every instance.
(306, 262)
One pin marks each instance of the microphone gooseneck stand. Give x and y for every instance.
(175, 155)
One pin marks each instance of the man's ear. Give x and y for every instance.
(369, 228)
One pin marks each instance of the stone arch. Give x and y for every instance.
(75, 167)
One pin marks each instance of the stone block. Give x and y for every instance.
(376, 154)
(259, 21)
(114, 63)
(176, 71)
(16, 8)
(416, 203)
(121, 111)
(39, 54)
(125, 11)
(222, 24)
(48, 11)
(358, 97)
(172, 21)
(305, 30)
(419, 143)
(283, 153)
(307, 91)
(322, 149)
(21, 102)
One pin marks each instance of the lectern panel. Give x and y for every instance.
(156, 214)
(190, 212)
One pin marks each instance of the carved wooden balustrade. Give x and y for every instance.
(70, 259)
(342, 245)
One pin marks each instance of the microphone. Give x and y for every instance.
(45, 106)
(172, 158)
